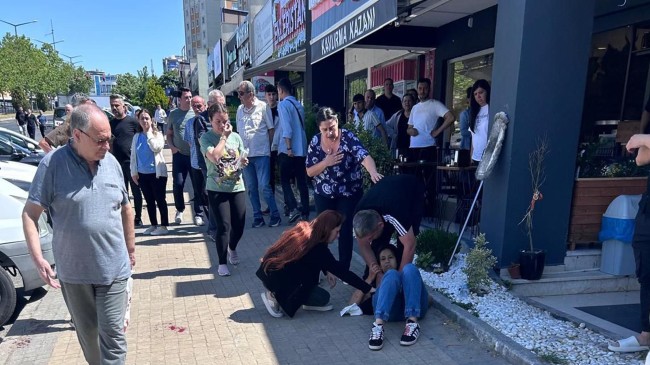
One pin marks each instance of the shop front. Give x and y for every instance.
(537, 59)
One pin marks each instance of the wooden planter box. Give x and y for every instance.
(591, 197)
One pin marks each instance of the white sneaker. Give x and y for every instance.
(179, 218)
(198, 220)
(149, 230)
(160, 231)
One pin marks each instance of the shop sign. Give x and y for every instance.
(231, 56)
(216, 59)
(263, 43)
(362, 23)
(326, 14)
(288, 26)
(243, 46)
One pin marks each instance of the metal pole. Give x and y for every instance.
(469, 214)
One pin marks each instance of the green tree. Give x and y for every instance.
(155, 95)
(19, 98)
(42, 101)
(169, 79)
(132, 87)
(78, 80)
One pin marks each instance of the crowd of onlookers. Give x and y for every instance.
(86, 191)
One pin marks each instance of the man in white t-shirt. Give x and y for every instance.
(422, 123)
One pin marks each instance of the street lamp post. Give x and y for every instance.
(18, 25)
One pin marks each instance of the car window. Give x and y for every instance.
(59, 113)
(16, 140)
(5, 148)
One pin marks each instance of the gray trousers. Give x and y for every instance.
(98, 315)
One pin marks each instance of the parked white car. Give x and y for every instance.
(18, 173)
(14, 255)
(21, 140)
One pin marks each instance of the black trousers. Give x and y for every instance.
(154, 190)
(229, 210)
(273, 169)
(345, 206)
(41, 127)
(641, 246)
(294, 167)
(200, 195)
(135, 189)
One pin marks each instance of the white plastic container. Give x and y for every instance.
(616, 233)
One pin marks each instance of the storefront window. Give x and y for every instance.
(462, 73)
(357, 83)
(618, 81)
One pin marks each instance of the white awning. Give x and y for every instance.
(293, 62)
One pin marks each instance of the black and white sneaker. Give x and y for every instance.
(376, 341)
(411, 333)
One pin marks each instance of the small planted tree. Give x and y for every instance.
(478, 262)
(531, 260)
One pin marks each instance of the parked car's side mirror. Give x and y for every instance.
(31, 146)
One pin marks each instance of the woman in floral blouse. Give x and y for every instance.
(334, 160)
(222, 149)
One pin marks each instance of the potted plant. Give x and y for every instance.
(514, 270)
(531, 261)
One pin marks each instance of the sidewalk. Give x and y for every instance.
(183, 312)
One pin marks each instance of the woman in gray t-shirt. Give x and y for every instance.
(225, 158)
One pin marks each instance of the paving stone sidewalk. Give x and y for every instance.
(183, 312)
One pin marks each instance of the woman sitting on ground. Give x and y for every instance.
(399, 295)
(290, 268)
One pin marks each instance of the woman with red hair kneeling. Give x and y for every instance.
(291, 267)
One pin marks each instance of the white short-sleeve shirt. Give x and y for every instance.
(253, 126)
(424, 117)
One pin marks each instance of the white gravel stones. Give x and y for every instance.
(531, 327)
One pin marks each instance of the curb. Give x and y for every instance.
(500, 343)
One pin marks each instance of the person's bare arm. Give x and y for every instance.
(448, 119)
(358, 296)
(30, 216)
(408, 240)
(369, 164)
(45, 145)
(129, 231)
(640, 142)
(170, 138)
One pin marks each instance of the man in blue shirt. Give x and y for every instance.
(292, 150)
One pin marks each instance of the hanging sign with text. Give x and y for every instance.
(360, 24)
(288, 26)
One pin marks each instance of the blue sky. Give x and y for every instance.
(115, 36)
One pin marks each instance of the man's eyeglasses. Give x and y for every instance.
(197, 106)
(242, 93)
(99, 142)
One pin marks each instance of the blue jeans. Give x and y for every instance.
(181, 167)
(256, 175)
(401, 295)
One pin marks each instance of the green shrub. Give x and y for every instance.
(434, 248)
(477, 265)
(378, 151)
